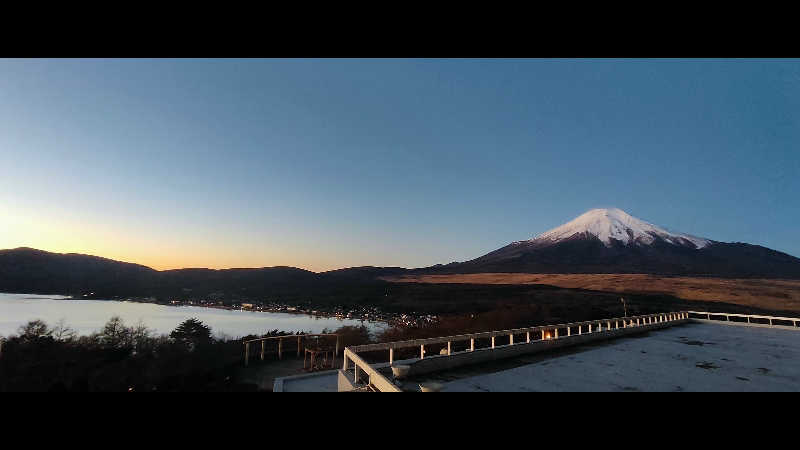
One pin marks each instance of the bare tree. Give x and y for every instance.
(63, 332)
(140, 336)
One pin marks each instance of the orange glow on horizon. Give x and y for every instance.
(157, 252)
(166, 248)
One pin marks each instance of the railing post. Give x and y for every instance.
(590, 328)
(246, 353)
(298, 346)
(355, 373)
(608, 325)
(492, 341)
(569, 332)
(511, 339)
(345, 361)
(336, 353)
(448, 348)
(422, 351)
(262, 350)
(391, 355)
(528, 336)
(280, 348)
(472, 344)
(579, 329)
(555, 333)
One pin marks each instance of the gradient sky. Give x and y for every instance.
(324, 164)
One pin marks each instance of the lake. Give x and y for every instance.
(88, 316)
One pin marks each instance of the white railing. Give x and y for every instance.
(750, 318)
(531, 334)
(280, 339)
(374, 378)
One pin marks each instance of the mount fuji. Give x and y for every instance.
(612, 241)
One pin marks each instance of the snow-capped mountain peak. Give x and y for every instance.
(616, 224)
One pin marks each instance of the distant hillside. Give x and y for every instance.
(36, 271)
(601, 241)
(30, 270)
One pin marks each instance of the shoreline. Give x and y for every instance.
(316, 315)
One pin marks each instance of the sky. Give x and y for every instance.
(331, 163)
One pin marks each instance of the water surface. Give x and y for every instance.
(87, 316)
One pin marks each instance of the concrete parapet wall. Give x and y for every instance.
(345, 382)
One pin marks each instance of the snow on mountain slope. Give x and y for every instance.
(613, 223)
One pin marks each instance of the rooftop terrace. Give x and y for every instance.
(669, 352)
(688, 357)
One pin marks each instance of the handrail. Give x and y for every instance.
(794, 320)
(489, 334)
(288, 336)
(381, 383)
(280, 344)
(373, 377)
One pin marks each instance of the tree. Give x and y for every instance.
(115, 334)
(34, 330)
(353, 335)
(141, 338)
(191, 333)
(63, 332)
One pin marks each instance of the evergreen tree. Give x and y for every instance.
(192, 333)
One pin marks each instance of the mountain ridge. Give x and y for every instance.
(599, 241)
(609, 240)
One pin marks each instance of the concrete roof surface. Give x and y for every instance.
(689, 357)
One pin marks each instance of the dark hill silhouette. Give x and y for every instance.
(628, 245)
(30, 270)
(35, 271)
